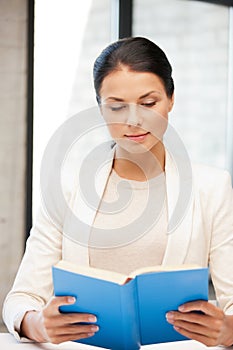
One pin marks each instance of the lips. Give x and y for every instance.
(137, 138)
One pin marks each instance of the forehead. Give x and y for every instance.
(130, 84)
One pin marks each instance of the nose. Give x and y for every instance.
(134, 116)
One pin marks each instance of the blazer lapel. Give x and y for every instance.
(180, 209)
(91, 186)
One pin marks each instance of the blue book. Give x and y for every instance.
(130, 310)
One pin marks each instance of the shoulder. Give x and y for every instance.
(209, 174)
(211, 180)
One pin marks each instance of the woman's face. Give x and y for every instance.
(135, 106)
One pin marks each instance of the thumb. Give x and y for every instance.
(200, 305)
(55, 302)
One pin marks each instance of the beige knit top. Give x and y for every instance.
(130, 227)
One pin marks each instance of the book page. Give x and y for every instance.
(160, 268)
(106, 275)
(116, 277)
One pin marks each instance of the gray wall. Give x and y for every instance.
(13, 46)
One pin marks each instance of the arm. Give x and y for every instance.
(30, 310)
(215, 325)
(32, 287)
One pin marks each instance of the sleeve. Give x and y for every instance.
(221, 248)
(33, 286)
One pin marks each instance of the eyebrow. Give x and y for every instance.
(148, 93)
(141, 97)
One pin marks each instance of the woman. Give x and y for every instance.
(135, 93)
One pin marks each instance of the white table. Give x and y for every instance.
(7, 342)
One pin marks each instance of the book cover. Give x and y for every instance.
(130, 310)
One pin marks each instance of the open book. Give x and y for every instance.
(131, 309)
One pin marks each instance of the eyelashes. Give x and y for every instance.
(120, 107)
(149, 104)
(117, 108)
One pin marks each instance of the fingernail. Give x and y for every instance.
(181, 308)
(71, 300)
(95, 328)
(169, 316)
(90, 334)
(170, 319)
(92, 319)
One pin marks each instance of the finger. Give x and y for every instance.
(196, 328)
(63, 320)
(77, 318)
(191, 317)
(64, 300)
(200, 305)
(198, 337)
(70, 337)
(74, 329)
(60, 319)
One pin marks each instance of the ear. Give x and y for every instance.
(171, 103)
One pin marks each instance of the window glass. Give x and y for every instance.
(194, 35)
(68, 37)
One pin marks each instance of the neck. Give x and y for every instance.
(140, 166)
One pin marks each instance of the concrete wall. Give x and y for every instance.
(13, 46)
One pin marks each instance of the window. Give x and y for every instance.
(68, 37)
(195, 37)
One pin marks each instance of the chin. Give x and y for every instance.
(134, 147)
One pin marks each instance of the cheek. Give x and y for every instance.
(156, 124)
(116, 130)
(164, 107)
(163, 110)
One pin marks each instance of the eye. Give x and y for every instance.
(117, 107)
(149, 104)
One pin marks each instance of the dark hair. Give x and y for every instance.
(140, 55)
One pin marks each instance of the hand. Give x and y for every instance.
(49, 325)
(210, 327)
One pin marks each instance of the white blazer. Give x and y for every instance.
(203, 237)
